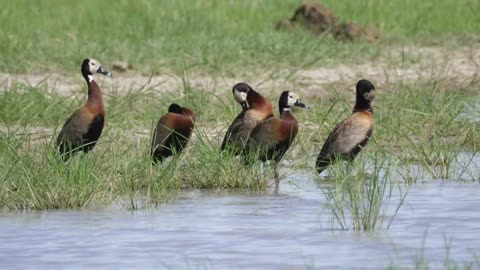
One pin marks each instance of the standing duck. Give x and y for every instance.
(352, 134)
(255, 109)
(172, 132)
(83, 128)
(274, 136)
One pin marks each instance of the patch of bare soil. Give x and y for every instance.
(408, 65)
(460, 67)
(319, 20)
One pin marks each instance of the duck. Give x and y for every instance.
(255, 109)
(272, 137)
(172, 133)
(240, 95)
(349, 136)
(83, 127)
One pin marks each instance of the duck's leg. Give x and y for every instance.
(277, 175)
(276, 188)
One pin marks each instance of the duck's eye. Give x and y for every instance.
(93, 64)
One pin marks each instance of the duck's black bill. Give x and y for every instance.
(104, 72)
(301, 105)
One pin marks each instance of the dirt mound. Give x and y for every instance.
(121, 66)
(349, 31)
(315, 17)
(318, 19)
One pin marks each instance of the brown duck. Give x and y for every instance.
(273, 137)
(352, 134)
(83, 128)
(255, 109)
(172, 132)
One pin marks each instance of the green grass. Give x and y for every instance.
(416, 125)
(25, 105)
(426, 126)
(230, 37)
(34, 177)
(359, 196)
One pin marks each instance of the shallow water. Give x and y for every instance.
(287, 229)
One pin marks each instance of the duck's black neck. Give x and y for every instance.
(244, 106)
(85, 75)
(362, 104)
(283, 109)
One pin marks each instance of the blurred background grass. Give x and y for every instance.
(55, 35)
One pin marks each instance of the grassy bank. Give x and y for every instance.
(417, 124)
(217, 36)
(120, 172)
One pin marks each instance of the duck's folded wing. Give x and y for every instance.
(161, 134)
(345, 137)
(264, 135)
(233, 129)
(74, 129)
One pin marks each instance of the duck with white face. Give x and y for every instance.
(255, 108)
(83, 128)
(289, 99)
(92, 66)
(272, 137)
(240, 93)
(348, 137)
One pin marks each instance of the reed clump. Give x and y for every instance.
(360, 196)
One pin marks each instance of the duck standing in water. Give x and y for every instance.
(255, 109)
(83, 128)
(172, 133)
(273, 136)
(352, 134)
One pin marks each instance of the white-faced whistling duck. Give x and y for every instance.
(352, 134)
(172, 132)
(255, 109)
(83, 128)
(273, 137)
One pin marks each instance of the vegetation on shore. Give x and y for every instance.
(416, 125)
(419, 123)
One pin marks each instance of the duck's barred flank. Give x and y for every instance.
(352, 134)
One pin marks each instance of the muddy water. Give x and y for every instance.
(284, 229)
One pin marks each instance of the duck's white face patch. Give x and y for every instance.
(292, 99)
(93, 66)
(90, 78)
(240, 97)
(369, 95)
